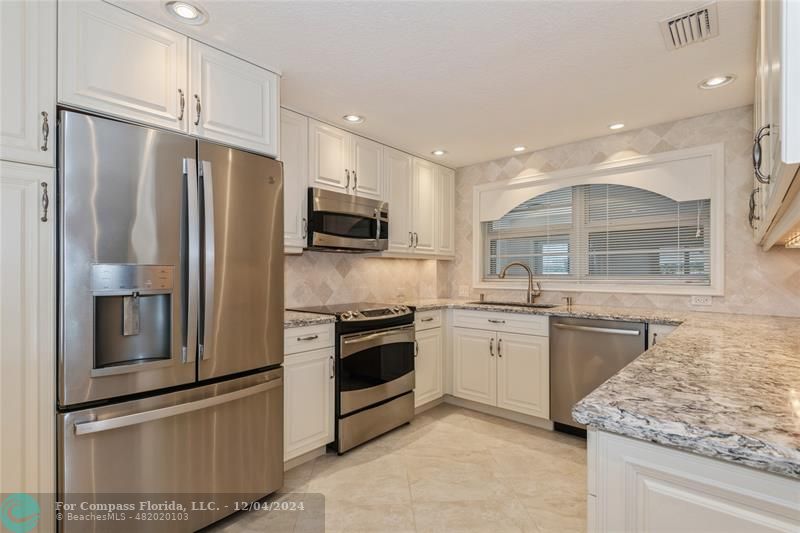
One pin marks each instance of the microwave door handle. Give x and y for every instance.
(207, 335)
(192, 273)
(377, 225)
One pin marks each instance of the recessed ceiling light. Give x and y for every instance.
(616, 126)
(520, 148)
(439, 152)
(354, 119)
(187, 13)
(716, 81)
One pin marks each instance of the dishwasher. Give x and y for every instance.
(583, 354)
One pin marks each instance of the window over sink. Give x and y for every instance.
(648, 225)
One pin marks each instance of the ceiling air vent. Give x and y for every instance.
(690, 27)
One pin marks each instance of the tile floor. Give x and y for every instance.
(450, 470)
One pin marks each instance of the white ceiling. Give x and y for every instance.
(477, 78)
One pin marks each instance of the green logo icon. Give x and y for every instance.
(20, 513)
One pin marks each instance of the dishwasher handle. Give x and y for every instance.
(594, 329)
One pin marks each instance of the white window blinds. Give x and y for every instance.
(604, 233)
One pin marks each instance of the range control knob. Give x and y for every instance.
(347, 315)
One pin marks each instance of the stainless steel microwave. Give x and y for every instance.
(346, 223)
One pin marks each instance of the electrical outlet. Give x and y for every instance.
(463, 291)
(702, 301)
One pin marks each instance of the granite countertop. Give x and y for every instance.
(721, 385)
(296, 319)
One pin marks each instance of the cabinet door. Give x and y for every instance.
(328, 157)
(397, 175)
(114, 62)
(27, 324)
(474, 365)
(646, 487)
(423, 207)
(523, 374)
(232, 101)
(445, 211)
(308, 393)
(428, 367)
(294, 154)
(367, 162)
(771, 144)
(28, 82)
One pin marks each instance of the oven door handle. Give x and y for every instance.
(358, 343)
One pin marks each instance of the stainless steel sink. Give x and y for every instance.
(516, 304)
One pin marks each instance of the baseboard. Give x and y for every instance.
(500, 413)
(427, 406)
(306, 457)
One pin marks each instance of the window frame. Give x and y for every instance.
(572, 177)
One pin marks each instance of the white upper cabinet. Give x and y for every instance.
(120, 64)
(367, 159)
(232, 101)
(423, 207)
(397, 184)
(329, 157)
(445, 211)
(294, 155)
(28, 82)
(776, 147)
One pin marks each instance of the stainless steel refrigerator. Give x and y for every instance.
(170, 316)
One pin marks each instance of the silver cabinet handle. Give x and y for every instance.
(305, 227)
(355, 181)
(416, 239)
(491, 347)
(752, 217)
(429, 319)
(763, 132)
(416, 347)
(347, 185)
(333, 367)
(655, 338)
(410, 239)
(45, 202)
(308, 338)
(198, 108)
(45, 131)
(85, 428)
(207, 336)
(495, 321)
(499, 347)
(592, 329)
(182, 104)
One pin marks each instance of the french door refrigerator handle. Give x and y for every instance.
(85, 428)
(207, 337)
(192, 274)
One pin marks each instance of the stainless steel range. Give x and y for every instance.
(375, 352)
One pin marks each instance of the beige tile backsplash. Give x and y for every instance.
(756, 282)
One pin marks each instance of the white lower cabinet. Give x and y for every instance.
(523, 374)
(474, 368)
(27, 328)
(506, 370)
(308, 391)
(428, 367)
(640, 486)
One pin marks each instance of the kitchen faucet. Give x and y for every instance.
(531, 294)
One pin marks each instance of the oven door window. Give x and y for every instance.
(375, 366)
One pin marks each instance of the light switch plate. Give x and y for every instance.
(701, 301)
(463, 291)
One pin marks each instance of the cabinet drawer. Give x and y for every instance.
(503, 322)
(307, 338)
(427, 320)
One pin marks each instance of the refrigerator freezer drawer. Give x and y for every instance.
(220, 443)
